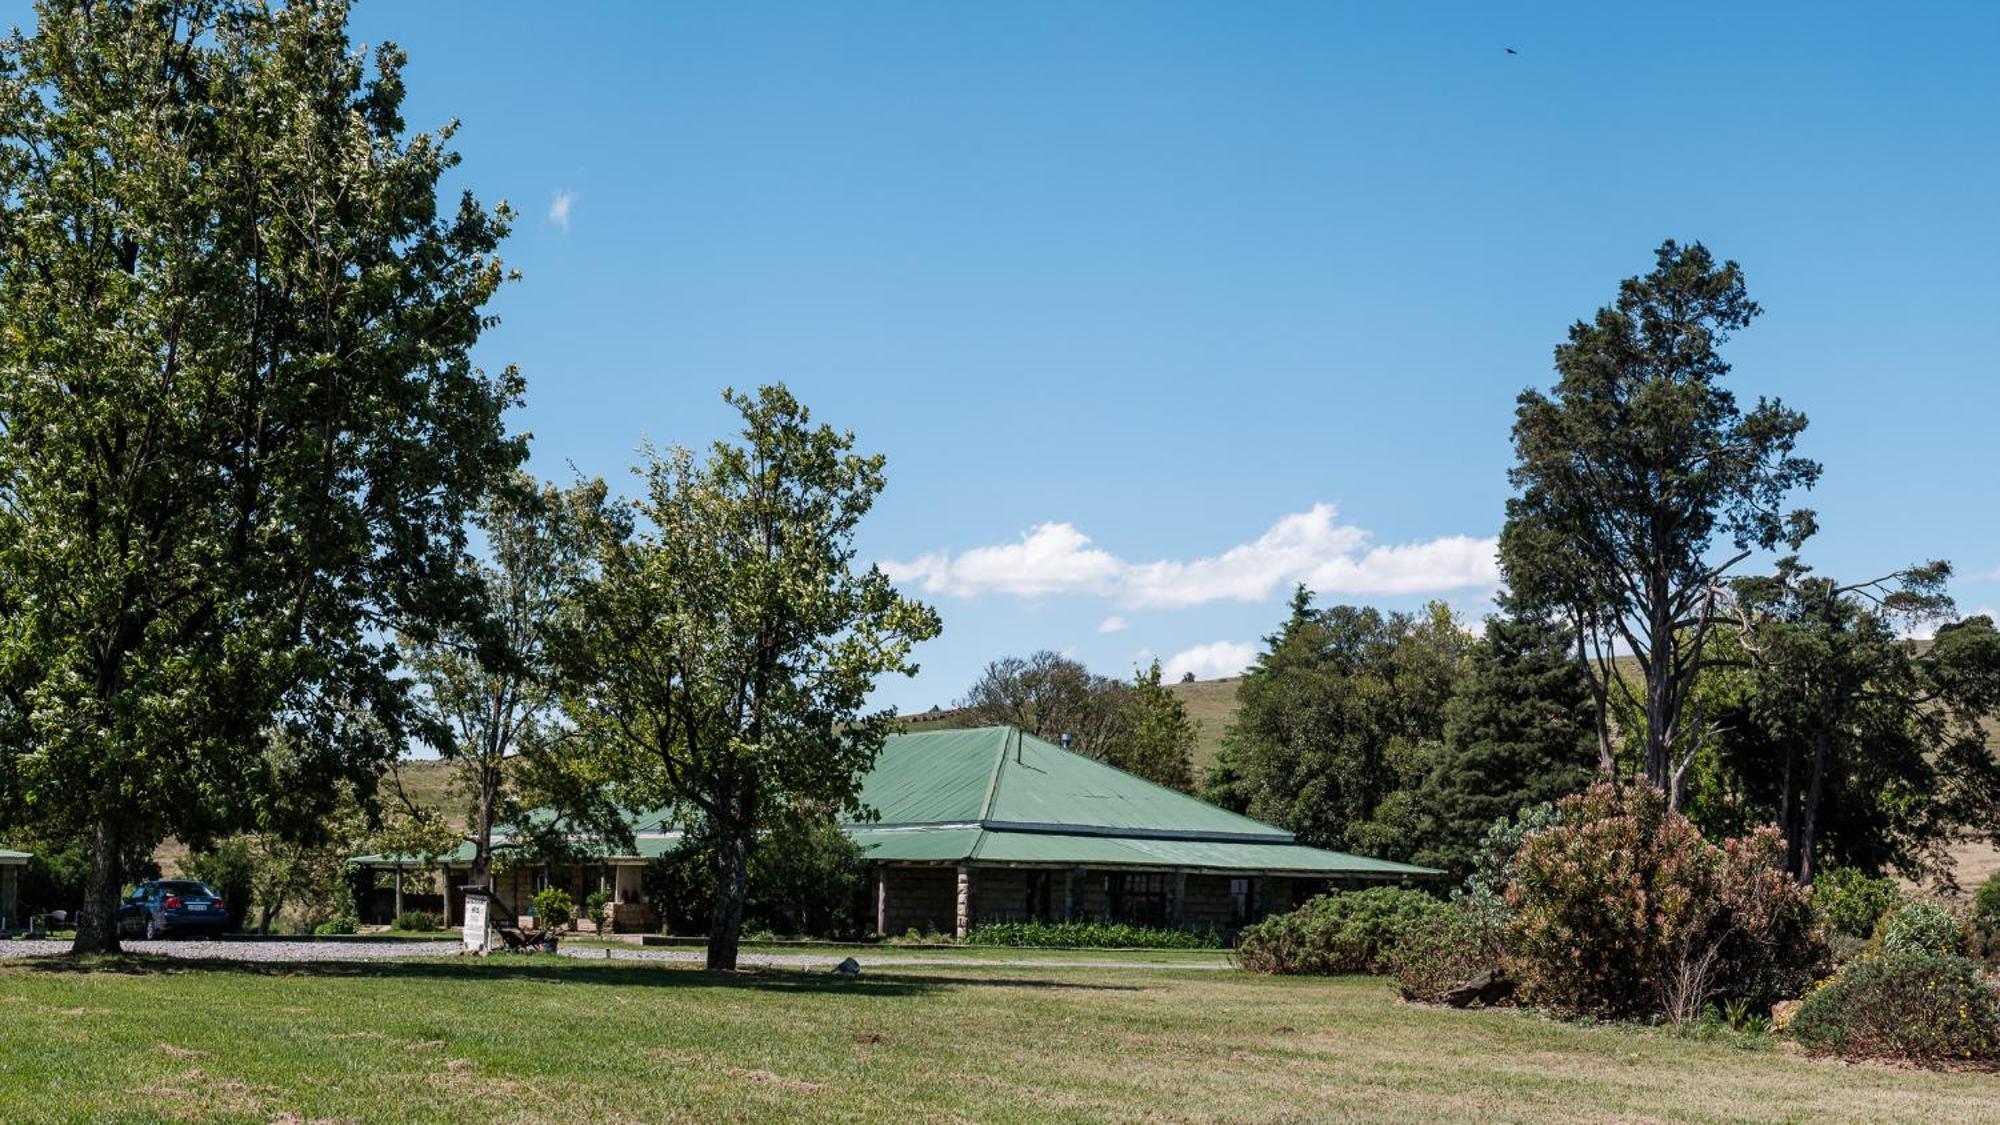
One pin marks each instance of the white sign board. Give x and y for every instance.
(478, 937)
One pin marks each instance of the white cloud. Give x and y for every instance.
(1209, 661)
(559, 208)
(1113, 624)
(1310, 547)
(1988, 576)
(1927, 629)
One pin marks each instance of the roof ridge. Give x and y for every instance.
(1290, 836)
(993, 782)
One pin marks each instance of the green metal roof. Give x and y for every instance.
(996, 795)
(645, 847)
(14, 857)
(939, 777)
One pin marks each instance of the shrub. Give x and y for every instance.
(1913, 1005)
(1088, 935)
(231, 868)
(341, 925)
(1342, 932)
(1984, 919)
(1772, 946)
(597, 908)
(553, 908)
(418, 922)
(1919, 927)
(1849, 901)
(1622, 909)
(1492, 865)
(806, 878)
(1442, 950)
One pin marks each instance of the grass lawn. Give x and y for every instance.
(524, 1039)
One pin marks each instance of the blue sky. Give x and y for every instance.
(1250, 284)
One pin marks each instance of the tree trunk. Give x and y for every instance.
(732, 871)
(1809, 820)
(482, 836)
(1788, 811)
(97, 925)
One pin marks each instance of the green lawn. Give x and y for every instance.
(537, 1038)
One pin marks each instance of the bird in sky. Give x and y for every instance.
(1512, 51)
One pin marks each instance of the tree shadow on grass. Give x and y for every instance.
(616, 973)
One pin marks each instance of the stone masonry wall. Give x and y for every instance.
(921, 898)
(1207, 903)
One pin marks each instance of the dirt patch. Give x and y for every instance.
(196, 1096)
(173, 1052)
(743, 1074)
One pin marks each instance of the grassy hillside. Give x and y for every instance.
(1209, 702)
(429, 783)
(1212, 703)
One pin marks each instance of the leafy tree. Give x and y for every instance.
(1338, 720)
(1518, 733)
(1860, 746)
(57, 871)
(241, 422)
(489, 688)
(230, 868)
(806, 877)
(1049, 695)
(732, 641)
(1156, 738)
(1636, 465)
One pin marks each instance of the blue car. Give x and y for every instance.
(164, 907)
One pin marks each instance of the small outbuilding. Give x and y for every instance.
(11, 864)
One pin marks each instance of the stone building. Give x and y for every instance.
(994, 825)
(972, 826)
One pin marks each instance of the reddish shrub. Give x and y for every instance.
(1622, 909)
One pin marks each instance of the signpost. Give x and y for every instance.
(478, 934)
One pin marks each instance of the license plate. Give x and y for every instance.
(197, 906)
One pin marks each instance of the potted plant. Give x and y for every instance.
(553, 910)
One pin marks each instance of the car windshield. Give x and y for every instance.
(185, 888)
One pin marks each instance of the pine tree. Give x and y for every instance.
(1519, 732)
(1156, 739)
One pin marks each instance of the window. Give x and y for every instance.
(1036, 909)
(1140, 898)
(1239, 902)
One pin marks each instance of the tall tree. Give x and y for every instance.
(239, 422)
(1517, 733)
(1336, 718)
(1858, 738)
(1050, 695)
(1156, 737)
(1630, 472)
(489, 689)
(731, 640)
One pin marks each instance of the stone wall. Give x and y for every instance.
(1000, 894)
(924, 899)
(1207, 903)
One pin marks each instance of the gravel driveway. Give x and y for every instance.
(308, 951)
